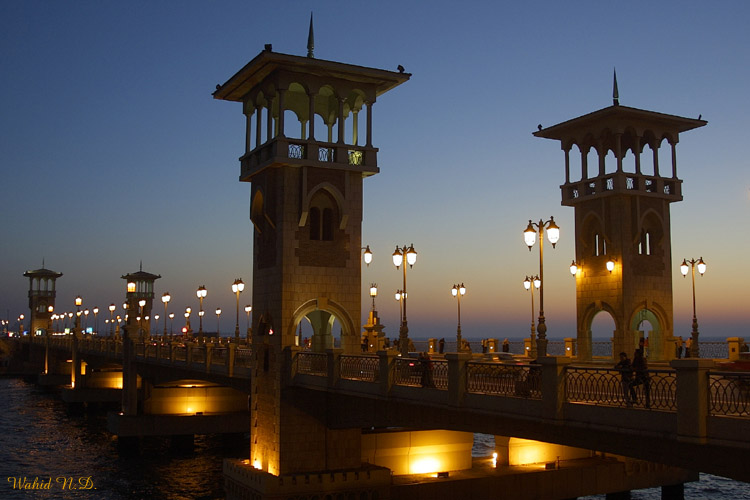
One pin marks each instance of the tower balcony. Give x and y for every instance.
(666, 188)
(300, 152)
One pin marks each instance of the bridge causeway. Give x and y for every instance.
(698, 417)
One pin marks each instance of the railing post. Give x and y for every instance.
(334, 366)
(232, 350)
(386, 370)
(692, 398)
(553, 385)
(188, 353)
(209, 347)
(457, 377)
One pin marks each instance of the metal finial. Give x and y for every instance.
(615, 92)
(310, 39)
(141, 268)
(42, 262)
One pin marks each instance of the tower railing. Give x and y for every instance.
(622, 182)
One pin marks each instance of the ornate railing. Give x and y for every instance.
(242, 356)
(297, 151)
(219, 356)
(418, 372)
(604, 387)
(514, 380)
(713, 350)
(312, 363)
(366, 368)
(326, 154)
(180, 353)
(199, 355)
(729, 393)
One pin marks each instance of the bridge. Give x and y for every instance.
(698, 416)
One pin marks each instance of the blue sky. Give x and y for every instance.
(112, 150)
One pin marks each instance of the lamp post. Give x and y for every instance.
(96, 320)
(237, 288)
(553, 234)
(218, 322)
(188, 330)
(248, 310)
(78, 302)
(684, 268)
(156, 324)
(400, 297)
(373, 293)
(171, 323)
(165, 298)
(457, 291)
(20, 325)
(111, 308)
(530, 283)
(398, 259)
(141, 304)
(201, 293)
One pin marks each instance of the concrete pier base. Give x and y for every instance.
(242, 481)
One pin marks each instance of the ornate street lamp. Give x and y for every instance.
(165, 298)
(398, 259)
(457, 291)
(684, 268)
(373, 293)
(218, 322)
(201, 293)
(141, 304)
(400, 295)
(111, 308)
(96, 320)
(530, 283)
(171, 324)
(367, 255)
(248, 310)
(553, 235)
(188, 330)
(237, 288)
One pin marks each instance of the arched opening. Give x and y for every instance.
(646, 325)
(322, 324)
(602, 327)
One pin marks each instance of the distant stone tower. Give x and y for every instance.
(304, 158)
(41, 299)
(622, 217)
(140, 286)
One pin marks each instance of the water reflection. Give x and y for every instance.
(41, 439)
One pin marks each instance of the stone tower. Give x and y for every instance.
(621, 197)
(305, 159)
(140, 286)
(41, 299)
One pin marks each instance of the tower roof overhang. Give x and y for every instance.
(617, 119)
(42, 273)
(268, 62)
(141, 276)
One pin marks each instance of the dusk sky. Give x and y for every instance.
(113, 151)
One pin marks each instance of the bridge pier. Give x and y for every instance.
(673, 492)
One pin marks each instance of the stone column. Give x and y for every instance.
(457, 377)
(386, 372)
(692, 398)
(553, 385)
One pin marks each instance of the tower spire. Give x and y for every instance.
(310, 38)
(615, 92)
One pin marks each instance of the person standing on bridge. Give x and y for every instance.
(640, 366)
(626, 379)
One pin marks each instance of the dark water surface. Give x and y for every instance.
(40, 439)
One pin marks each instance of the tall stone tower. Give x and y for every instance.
(621, 197)
(41, 299)
(305, 159)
